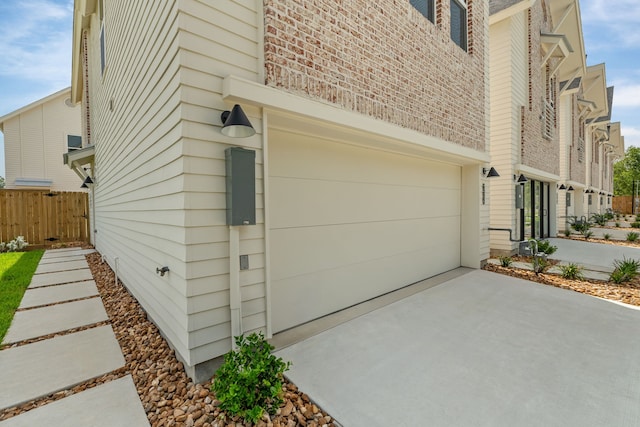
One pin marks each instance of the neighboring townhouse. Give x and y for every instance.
(370, 168)
(35, 139)
(548, 110)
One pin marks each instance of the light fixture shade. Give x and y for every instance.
(562, 187)
(86, 182)
(522, 179)
(570, 188)
(236, 123)
(491, 173)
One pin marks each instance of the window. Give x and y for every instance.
(103, 54)
(425, 7)
(74, 142)
(459, 22)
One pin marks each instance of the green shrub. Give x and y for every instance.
(567, 232)
(606, 236)
(600, 219)
(581, 227)
(571, 271)
(624, 270)
(635, 225)
(545, 247)
(587, 234)
(618, 277)
(617, 224)
(506, 261)
(249, 382)
(632, 236)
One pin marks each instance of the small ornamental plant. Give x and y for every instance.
(625, 270)
(606, 236)
(506, 261)
(544, 246)
(632, 236)
(571, 271)
(249, 382)
(16, 245)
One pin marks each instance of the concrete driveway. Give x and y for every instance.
(481, 349)
(589, 254)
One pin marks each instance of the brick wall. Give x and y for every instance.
(383, 59)
(537, 151)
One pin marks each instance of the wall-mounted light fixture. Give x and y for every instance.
(522, 179)
(236, 124)
(490, 173)
(86, 182)
(562, 187)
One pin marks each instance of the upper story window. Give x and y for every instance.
(426, 7)
(459, 22)
(103, 48)
(74, 142)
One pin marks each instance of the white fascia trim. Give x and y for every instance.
(534, 173)
(237, 89)
(511, 11)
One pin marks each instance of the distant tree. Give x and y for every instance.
(626, 171)
(1, 182)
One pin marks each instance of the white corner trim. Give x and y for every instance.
(236, 89)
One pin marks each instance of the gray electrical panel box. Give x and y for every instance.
(241, 186)
(519, 196)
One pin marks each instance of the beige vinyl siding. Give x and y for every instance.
(160, 194)
(12, 151)
(508, 73)
(135, 127)
(35, 140)
(218, 39)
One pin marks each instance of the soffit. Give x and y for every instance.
(566, 21)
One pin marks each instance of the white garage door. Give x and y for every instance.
(348, 224)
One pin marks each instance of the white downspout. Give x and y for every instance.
(235, 302)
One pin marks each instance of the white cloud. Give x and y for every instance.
(613, 24)
(626, 95)
(35, 40)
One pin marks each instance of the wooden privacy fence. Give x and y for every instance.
(44, 217)
(622, 204)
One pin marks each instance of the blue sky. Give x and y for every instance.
(35, 60)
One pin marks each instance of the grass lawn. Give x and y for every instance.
(16, 270)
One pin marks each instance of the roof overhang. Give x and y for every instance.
(555, 46)
(77, 159)
(594, 87)
(34, 104)
(567, 21)
(616, 140)
(511, 11)
(82, 11)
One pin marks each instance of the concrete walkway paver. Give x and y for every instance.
(54, 294)
(32, 371)
(107, 405)
(60, 277)
(71, 257)
(35, 370)
(482, 349)
(61, 266)
(29, 324)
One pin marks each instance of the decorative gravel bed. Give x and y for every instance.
(168, 396)
(628, 293)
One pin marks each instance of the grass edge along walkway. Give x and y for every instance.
(16, 271)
